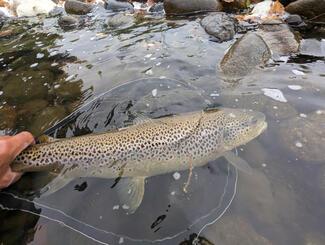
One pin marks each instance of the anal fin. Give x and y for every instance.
(131, 192)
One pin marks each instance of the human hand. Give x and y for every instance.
(10, 147)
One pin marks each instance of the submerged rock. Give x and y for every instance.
(118, 6)
(32, 107)
(46, 118)
(174, 7)
(307, 8)
(20, 91)
(279, 38)
(245, 54)
(77, 7)
(120, 20)
(219, 25)
(304, 136)
(68, 22)
(8, 117)
(69, 91)
(234, 230)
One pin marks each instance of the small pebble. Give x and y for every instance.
(39, 56)
(116, 207)
(34, 65)
(294, 87)
(125, 206)
(154, 92)
(299, 144)
(176, 176)
(298, 73)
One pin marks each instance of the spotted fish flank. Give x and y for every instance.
(146, 149)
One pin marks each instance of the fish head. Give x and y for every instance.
(241, 126)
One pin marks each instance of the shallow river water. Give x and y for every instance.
(156, 67)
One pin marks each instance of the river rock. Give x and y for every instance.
(32, 107)
(307, 8)
(294, 20)
(32, 8)
(313, 47)
(238, 4)
(46, 118)
(68, 22)
(8, 117)
(115, 6)
(279, 38)
(77, 7)
(245, 54)
(234, 230)
(156, 8)
(69, 91)
(304, 137)
(174, 7)
(219, 25)
(120, 20)
(20, 91)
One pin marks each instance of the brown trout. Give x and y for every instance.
(149, 147)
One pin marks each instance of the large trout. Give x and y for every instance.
(149, 147)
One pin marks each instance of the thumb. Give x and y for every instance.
(20, 142)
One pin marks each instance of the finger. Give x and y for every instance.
(9, 178)
(4, 137)
(21, 141)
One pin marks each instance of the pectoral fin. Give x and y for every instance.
(238, 162)
(131, 191)
(55, 185)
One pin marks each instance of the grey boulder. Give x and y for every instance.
(245, 54)
(77, 7)
(179, 7)
(219, 25)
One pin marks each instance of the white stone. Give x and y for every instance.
(298, 73)
(154, 92)
(275, 94)
(294, 87)
(176, 176)
(298, 144)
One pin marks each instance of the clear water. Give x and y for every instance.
(280, 203)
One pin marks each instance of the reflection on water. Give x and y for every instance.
(47, 73)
